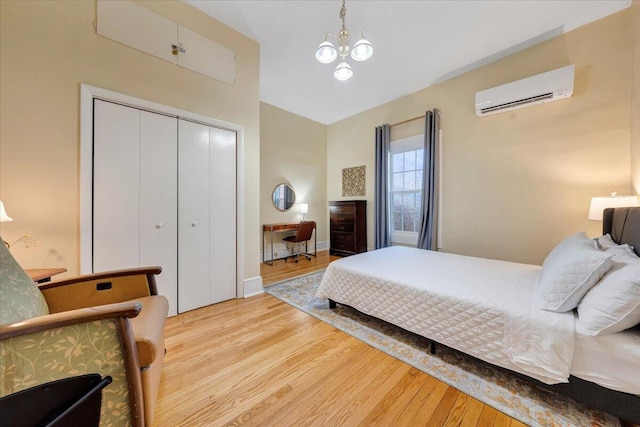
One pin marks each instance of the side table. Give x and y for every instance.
(42, 275)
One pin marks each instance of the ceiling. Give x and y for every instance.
(417, 43)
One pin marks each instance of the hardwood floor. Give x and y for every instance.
(259, 361)
(282, 270)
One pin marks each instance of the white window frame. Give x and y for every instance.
(416, 142)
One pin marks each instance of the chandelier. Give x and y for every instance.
(327, 53)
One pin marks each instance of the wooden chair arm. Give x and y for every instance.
(150, 272)
(21, 338)
(91, 290)
(127, 309)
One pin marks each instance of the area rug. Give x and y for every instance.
(498, 389)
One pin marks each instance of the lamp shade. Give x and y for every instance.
(304, 208)
(343, 71)
(326, 52)
(3, 214)
(599, 204)
(362, 50)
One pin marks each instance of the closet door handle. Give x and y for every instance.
(159, 226)
(194, 223)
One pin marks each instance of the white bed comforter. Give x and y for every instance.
(485, 308)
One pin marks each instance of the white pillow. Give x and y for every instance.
(569, 271)
(605, 242)
(613, 305)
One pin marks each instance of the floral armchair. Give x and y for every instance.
(106, 323)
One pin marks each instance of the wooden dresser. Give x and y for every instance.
(348, 227)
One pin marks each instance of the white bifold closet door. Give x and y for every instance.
(206, 215)
(135, 193)
(164, 193)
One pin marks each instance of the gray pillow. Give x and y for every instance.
(605, 242)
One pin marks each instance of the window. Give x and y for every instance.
(405, 194)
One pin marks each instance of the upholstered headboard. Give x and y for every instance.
(623, 224)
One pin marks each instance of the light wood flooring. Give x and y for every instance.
(281, 270)
(259, 361)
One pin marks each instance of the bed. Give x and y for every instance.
(491, 310)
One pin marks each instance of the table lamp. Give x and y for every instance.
(304, 209)
(4, 218)
(599, 204)
(3, 214)
(28, 241)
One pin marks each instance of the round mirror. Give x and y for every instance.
(283, 197)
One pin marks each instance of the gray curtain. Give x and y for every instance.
(381, 214)
(427, 232)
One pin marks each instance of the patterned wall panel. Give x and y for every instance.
(353, 181)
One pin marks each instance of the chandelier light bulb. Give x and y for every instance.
(343, 71)
(326, 52)
(362, 50)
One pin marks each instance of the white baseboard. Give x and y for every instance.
(253, 286)
(280, 251)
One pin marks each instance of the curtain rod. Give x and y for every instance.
(407, 121)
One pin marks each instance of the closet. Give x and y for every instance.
(164, 193)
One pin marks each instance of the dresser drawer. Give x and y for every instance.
(343, 241)
(346, 227)
(342, 209)
(340, 218)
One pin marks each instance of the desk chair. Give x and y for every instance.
(304, 231)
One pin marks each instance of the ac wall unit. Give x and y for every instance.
(545, 87)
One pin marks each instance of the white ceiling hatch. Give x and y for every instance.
(417, 43)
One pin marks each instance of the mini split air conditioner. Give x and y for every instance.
(545, 87)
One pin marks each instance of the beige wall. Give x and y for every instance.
(634, 35)
(515, 183)
(48, 49)
(293, 150)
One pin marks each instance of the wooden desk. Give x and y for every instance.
(280, 227)
(42, 275)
